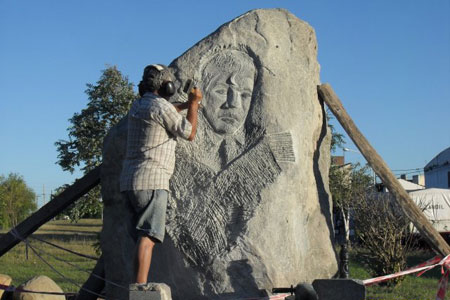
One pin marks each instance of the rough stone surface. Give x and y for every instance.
(42, 284)
(250, 207)
(5, 280)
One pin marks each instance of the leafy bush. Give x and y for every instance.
(384, 231)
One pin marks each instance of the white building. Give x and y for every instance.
(407, 186)
(435, 204)
(437, 171)
(419, 179)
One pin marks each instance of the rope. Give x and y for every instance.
(17, 235)
(11, 288)
(65, 249)
(83, 270)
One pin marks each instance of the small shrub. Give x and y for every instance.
(384, 231)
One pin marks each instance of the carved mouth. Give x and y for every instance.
(228, 119)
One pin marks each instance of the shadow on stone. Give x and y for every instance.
(318, 174)
(250, 288)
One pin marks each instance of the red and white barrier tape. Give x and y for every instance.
(273, 297)
(421, 268)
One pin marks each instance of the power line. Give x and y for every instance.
(410, 172)
(407, 170)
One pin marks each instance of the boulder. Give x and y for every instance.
(39, 284)
(250, 207)
(4, 280)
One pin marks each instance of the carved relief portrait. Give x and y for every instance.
(220, 175)
(227, 80)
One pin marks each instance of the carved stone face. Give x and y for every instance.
(229, 79)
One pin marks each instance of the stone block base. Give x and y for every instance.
(150, 291)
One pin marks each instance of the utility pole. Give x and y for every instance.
(72, 193)
(37, 199)
(43, 194)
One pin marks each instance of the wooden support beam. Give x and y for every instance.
(409, 208)
(51, 209)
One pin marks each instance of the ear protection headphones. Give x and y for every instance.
(167, 87)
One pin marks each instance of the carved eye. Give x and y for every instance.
(246, 95)
(220, 91)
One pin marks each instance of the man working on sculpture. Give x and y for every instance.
(153, 127)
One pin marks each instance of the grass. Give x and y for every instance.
(411, 288)
(87, 227)
(78, 237)
(81, 236)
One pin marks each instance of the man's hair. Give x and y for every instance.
(153, 78)
(227, 61)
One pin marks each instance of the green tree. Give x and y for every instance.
(339, 178)
(17, 200)
(108, 102)
(348, 183)
(380, 226)
(337, 139)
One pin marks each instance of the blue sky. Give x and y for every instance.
(388, 61)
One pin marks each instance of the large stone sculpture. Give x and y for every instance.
(250, 207)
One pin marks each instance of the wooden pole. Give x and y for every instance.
(409, 208)
(50, 210)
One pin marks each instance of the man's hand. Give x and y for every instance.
(195, 95)
(194, 98)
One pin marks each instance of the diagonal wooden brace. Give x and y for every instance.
(50, 210)
(409, 208)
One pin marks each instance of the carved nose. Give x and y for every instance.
(233, 99)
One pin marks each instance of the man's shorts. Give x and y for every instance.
(150, 207)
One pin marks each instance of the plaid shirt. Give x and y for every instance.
(153, 126)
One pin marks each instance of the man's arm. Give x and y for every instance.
(181, 106)
(194, 98)
(178, 125)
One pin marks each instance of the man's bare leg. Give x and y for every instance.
(144, 258)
